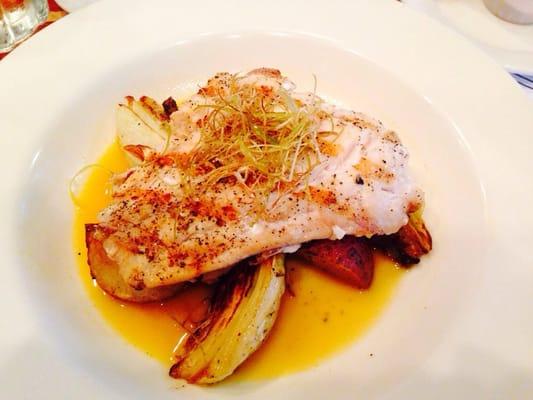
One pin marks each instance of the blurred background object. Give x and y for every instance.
(55, 12)
(510, 44)
(19, 19)
(515, 11)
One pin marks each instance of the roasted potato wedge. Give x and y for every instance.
(410, 243)
(242, 312)
(349, 259)
(105, 271)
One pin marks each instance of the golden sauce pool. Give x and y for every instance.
(322, 317)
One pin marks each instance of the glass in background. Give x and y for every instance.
(19, 19)
(515, 11)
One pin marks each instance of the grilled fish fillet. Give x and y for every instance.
(159, 234)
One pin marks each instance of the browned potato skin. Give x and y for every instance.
(349, 259)
(105, 271)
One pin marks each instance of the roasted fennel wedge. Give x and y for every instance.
(410, 243)
(142, 128)
(243, 310)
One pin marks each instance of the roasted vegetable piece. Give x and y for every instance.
(105, 271)
(169, 106)
(349, 259)
(142, 128)
(410, 243)
(243, 310)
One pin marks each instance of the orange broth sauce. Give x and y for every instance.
(322, 317)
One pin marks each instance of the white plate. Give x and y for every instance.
(459, 325)
(73, 5)
(509, 44)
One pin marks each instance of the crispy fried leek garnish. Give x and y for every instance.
(266, 140)
(243, 310)
(410, 243)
